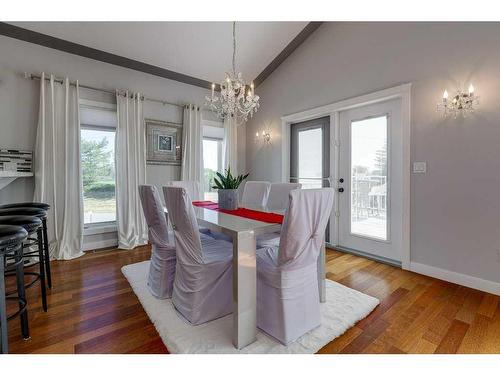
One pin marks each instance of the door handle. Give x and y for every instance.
(341, 190)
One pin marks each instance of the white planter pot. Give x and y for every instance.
(228, 199)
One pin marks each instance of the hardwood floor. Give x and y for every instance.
(92, 309)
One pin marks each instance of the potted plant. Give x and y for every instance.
(227, 187)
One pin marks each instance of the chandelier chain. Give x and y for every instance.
(234, 47)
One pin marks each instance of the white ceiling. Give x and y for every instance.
(199, 49)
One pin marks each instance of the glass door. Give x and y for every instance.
(370, 180)
(310, 155)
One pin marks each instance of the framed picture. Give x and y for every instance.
(163, 142)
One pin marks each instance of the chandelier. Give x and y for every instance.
(462, 103)
(235, 99)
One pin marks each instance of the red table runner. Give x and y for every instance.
(266, 217)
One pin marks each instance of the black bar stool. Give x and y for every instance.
(30, 220)
(11, 240)
(45, 207)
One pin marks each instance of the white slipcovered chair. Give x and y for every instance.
(162, 266)
(287, 276)
(255, 194)
(192, 188)
(204, 273)
(277, 202)
(278, 195)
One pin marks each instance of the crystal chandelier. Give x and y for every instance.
(235, 100)
(461, 103)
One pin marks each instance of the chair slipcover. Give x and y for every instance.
(278, 195)
(255, 194)
(287, 284)
(162, 266)
(192, 188)
(277, 201)
(204, 273)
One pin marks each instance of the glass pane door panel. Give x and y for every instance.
(310, 158)
(369, 193)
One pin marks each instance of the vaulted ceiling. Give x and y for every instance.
(199, 49)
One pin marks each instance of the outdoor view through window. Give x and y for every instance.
(98, 175)
(212, 163)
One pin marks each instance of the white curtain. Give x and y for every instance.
(57, 166)
(192, 145)
(230, 146)
(130, 160)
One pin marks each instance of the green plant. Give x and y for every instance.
(228, 181)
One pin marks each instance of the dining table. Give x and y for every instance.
(243, 232)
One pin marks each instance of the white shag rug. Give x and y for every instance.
(343, 308)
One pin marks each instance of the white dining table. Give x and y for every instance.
(243, 232)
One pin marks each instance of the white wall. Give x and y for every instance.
(456, 205)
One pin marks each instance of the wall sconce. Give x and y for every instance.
(462, 103)
(264, 137)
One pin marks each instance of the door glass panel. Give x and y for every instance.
(369, 195)
(310, 158)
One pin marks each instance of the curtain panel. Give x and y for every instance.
(57, 166)
(192, 145)
(130, 161)
(230, 145)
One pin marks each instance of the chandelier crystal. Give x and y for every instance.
(235, 100)
(461, 103)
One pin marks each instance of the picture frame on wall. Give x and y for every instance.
(163, 142)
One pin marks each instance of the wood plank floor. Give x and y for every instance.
(92, 309)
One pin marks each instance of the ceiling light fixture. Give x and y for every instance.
(235, 99)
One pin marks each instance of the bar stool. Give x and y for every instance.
(30, 220)
(11, 239)
(45, 207)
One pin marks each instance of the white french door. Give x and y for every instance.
(370, 180)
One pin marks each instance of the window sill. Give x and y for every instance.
(99, 229)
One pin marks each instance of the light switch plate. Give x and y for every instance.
(419, 167)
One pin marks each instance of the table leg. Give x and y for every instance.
(244, 289)
(322, 274)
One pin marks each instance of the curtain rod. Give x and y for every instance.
(61, 81)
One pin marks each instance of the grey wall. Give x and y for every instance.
(455, 206)
(19, 100)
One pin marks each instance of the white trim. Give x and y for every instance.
(457, 278)
(99, 228)
(95, 104)
(402, 92)
(101, 244)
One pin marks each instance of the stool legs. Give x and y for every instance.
(41, 264)
(4, 346)
(46, 253)
(21, 293)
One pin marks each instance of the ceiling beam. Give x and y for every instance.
(287, 51)
(30, 36)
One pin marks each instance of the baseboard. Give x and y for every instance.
(457, 278)
(112, 242)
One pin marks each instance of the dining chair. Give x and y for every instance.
(203, 289)
(288, 303)
(278, 195)
(255, 194)
(162, 265)
(278, 202)
(192, 188)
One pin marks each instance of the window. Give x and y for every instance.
(212, 163)
(98, 175)
(97, 153)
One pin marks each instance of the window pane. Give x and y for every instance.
(98, 175)
(310, 158)
(211, 165)
(369, 177)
